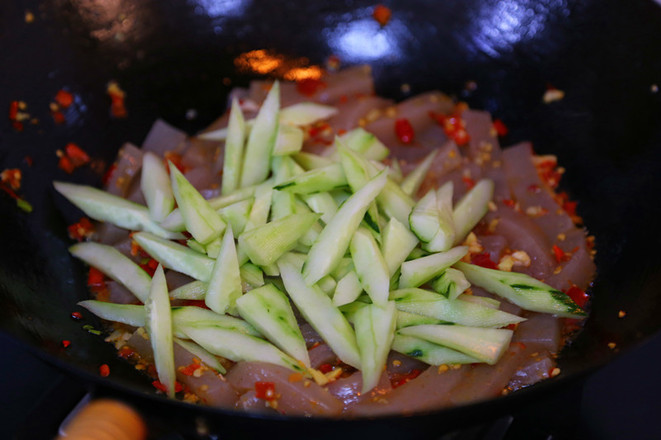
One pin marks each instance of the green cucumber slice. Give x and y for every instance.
(234, 146)
(129, 314)
(315, 180)
(184, 316)
(451, 283)
(306, 113)
(288, 141)
(414, 179)
(347, 290)
(310, 161)
(370, 266)
(269, 311)
(428, 352)
(375, 330)
(224, 286)
(417, 272)
(155, 185)
(398, 242)
(195, 290)
(471, 208)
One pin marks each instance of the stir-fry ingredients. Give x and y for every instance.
(272, 270)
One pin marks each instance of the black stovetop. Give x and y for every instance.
(620, 401)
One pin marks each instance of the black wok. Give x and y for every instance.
(174, 56)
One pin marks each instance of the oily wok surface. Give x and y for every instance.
(177, 56)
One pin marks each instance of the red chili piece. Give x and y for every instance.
(81, 230)
(382, 14)
(470, 183)
(77, 316)
(126, 352)
(66, 343)
(400, 380)
(265, 390)
(95, 278)
(77, 155)
(161, 387)
(325, 368)
(484, 260)
(150, 266)
(500, 127)
(577, 295)
(309, 86)
(63, 98)
(560, 255)
(104, 370)
(404, 130)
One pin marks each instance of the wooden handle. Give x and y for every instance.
(105, 419)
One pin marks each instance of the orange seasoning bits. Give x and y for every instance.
(382, 14)
(117, 96)
(81, 230)
(72, 157)
(18, 114)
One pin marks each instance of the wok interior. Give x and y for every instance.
(173, 58)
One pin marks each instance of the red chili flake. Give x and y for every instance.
(401, 379)
(483, 259)
(81, 230)
(453, 126)
(509, 203)
(177, 160)
(325, 368)
(63, 98)
(265, 390)
(66, 343)
(470, 183)
(77, 155)
(161, 387)
(108, 175)
(58, 117)
(104, 370)
(560, 255)
(309, 86)
(461, 137)
(534, 188)
(404, 130)
(126, 352)
(500, 127)
(95, 278)
(382, 14)
(13, 110)
(12, 177)
(149, 266)
(77, 316)
(570, 208)
(521, 345)
(66, 164)
(195, 303)
(189, 370)
(117, 96)
(577, 295)
(512, 326)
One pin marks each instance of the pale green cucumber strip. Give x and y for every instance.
(175, 221)
(313, 232)
(271, 270)
(522, 290)
(207, 358)
(196, 246)
(343, 267)
(417, 272)
(266, 243)
(259, 213)
(445, 236)
(485, 344)
(159, 328)
(471, 208)
(407, 319)
(370, 266)
(288, 141)
(105, 207)
(347, 290)
(321, 203)
(327, 285)
(334, 239)
(213, 249)
(115, 265)
(365, 143)
(239, 347)
(191, 315)
(396, 171)
(155, 186)
(356, 170)
(201, 220)
(224, 286)
(316, 180)
(425, 217)
(234, 146)
(194, 290)
(451, 283)
(398, 242)
(414, 179)
(434, 305)
(175, 256)
(319, 311)
(237, 214)
(310, 161)
(481, 300)
(129, 314)
(428, 352)
(305, 113)
(259, 149)
(252, 275)
(269, 311)
(395, 203)
(283, 204)
(375, 330)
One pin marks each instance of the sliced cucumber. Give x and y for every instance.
(451, 283)
(237, 214)
(105, 207)
(195, 290)
(424, 219)
(305, 113)
(365, 143)
(375, 329)
(191, 315)
(370, 266)
(129, 314)
(259, 212)
(471, 208)
(407, 319)
(398, 242)
(481, 300)
(310, 161)
(347, 290)
(175, 256)
(323, 204)
(318, 310)
(446, 234)
(269, 311)
(486, 344)
(334, 239)
(288, 141)
(424, 302)
(417, 272)
(234, 146)
(224, 286)
(252, 275)
(159, 328)
(155, 185)
(356, 170)
(316, 180)
(522, 290)
(428, 352)
(115, 265)
(414, 179)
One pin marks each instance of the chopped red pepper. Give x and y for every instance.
(66, 164)
(309, 86)
(95, 278)
(470, 183)
(453, 126)
(149, 266)
(509, 203)
(400, 379)
(483, 259)
(117, 96)
(325, 368)
(382, 14)
(13, 110)
(189, 370)
(108, 175)
(404, 130)
(578, 295)
(63, 98)
(500, 127)
(265, 390)
(570, 208)
(81, 230)
(195, 303)
(161, 387)
(560, 255)
(104, 370)
(77, 155)
(66, 343)
(77, 316)
(534, 188)
(12, 177)
(126, 352)
(58, 117)
(177, 160)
